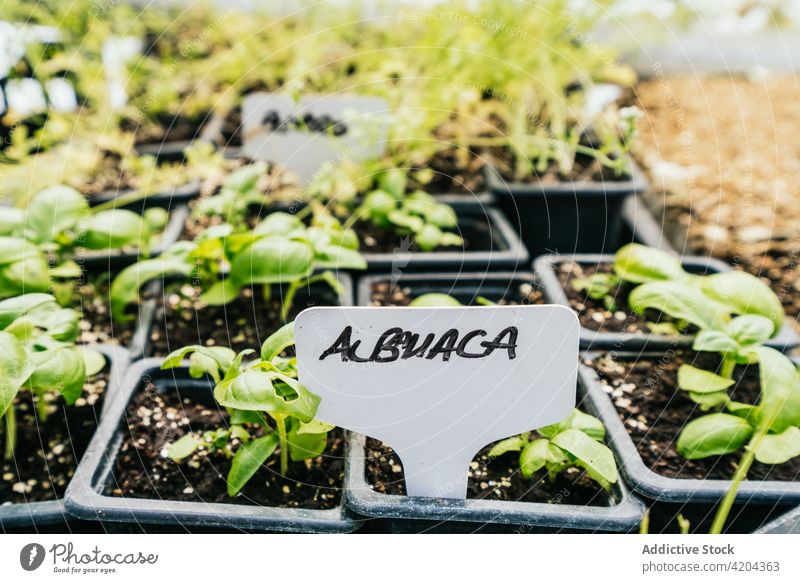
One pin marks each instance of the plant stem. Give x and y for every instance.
(280, 421)
(11, 432)
(289, 298)
(41, 408)
(728, 366)
(644, 525)
(266, 292)
(741, 473)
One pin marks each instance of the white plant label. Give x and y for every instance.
(304, 135)
(439, 384)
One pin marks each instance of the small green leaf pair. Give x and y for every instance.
(252, 393)
(238, 193)
(575, 442)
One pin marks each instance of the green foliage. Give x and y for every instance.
(706, 302)
(262, 396)
(38, 354)
(279, 250)
(576, 441)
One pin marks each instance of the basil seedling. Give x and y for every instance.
(768, 432)
(707, 302)
(261, 394)
(575, 442)
(279, 250)
(60, 220)
(38, 354)
(238, 193)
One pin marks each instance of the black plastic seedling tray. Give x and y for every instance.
(657, 487)
(52, 512)
(423, 514)
(568, 217)
(86, 498)
(544, 267)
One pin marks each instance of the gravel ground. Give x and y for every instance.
(723, 158)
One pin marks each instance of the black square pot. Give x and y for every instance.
(569, 217)
(640, 226)
(34, 515)
(544, 267)
(396, 513)
(506, 249)
(85, 498)
(756, 502)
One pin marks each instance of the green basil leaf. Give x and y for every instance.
(697, 380)
(93, 361)
(709, 401)
(533, 457)
(393, 181)
(640, 264)
(16, 307)
(314, 426)
(278, 225)
(15, 368)
(780, 389)
(515, 443)
(428, 237)
(680, 301)
(750, 329)
(779, 448)
(114, 229)
(53, 211)
(256, 390)
(591, 455)
(277, 342)
(184, 447)
(248, 459)
(272, 260)
(714, 434)
(332, 257)
(745, 294)
(714, 341)
(303, 446)
(221, 292)
(62, 370)
(125, 287)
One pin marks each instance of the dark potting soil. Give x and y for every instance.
(451, 175)
(585, 169)
(593, 314)
(654, 411)
(182, 319)
(97, 325)
(167, 129)
(476, 232)
(386, 294)
(48, 451)
(155, 420)
(490, 478)
(110, 176)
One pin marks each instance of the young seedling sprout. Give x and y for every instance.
(262, 395)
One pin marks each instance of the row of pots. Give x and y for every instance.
(87, 496)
